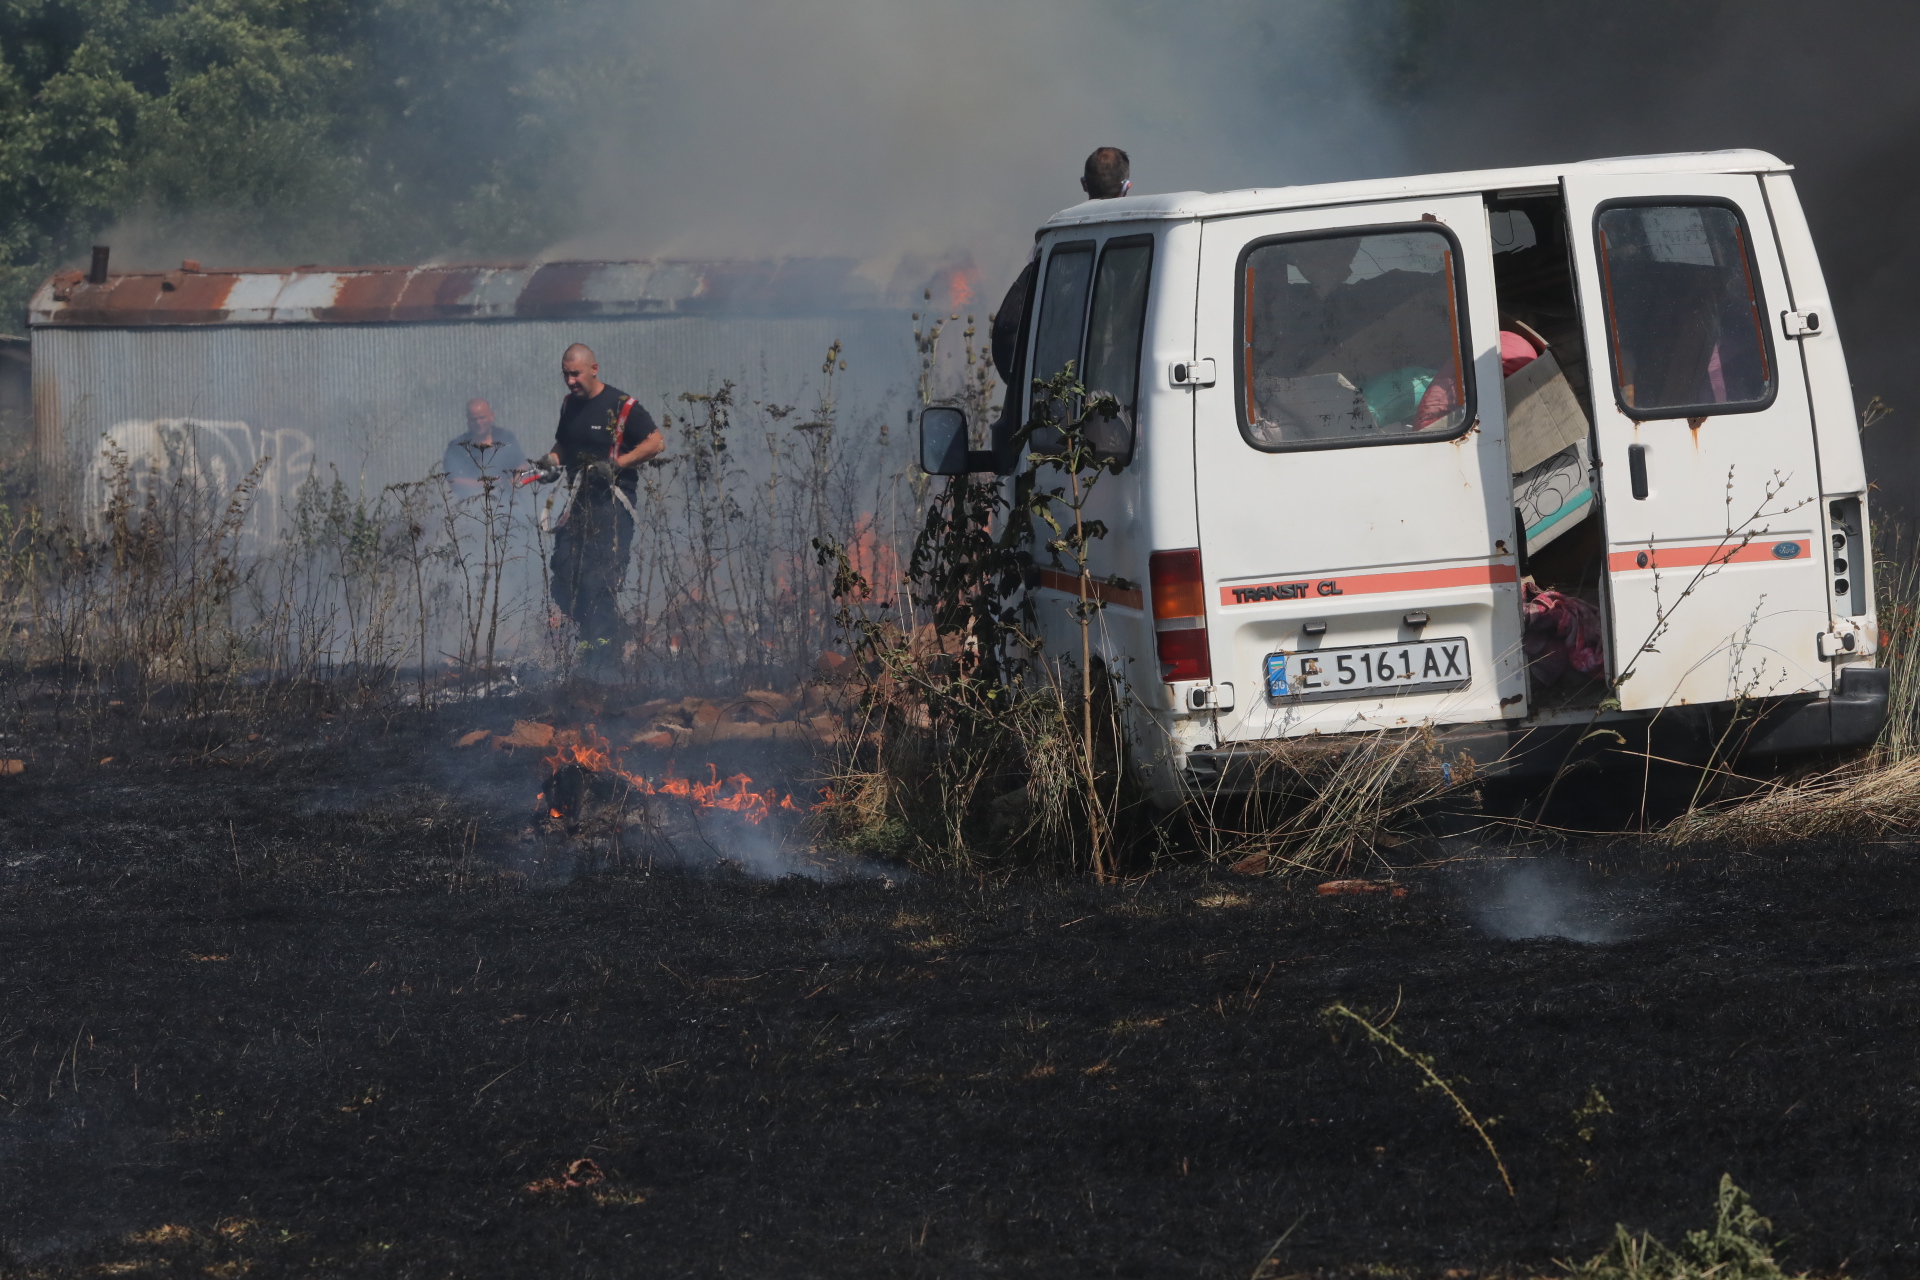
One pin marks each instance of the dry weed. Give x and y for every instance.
(1865, 799)
(1317, 803)
(1876, 796)
(1377, 1032)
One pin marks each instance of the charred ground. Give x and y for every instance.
(317, 1002)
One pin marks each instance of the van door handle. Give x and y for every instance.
(1800, 324)
(1637, 469)
(1191, 373)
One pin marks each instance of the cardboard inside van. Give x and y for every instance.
(1543, 417)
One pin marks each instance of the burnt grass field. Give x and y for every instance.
(323, 1002)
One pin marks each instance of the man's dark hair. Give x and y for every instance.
(1107, 172)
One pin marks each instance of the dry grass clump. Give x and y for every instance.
(1898, 610)
(1878, 795)
(1318, 804)
(1862, 800)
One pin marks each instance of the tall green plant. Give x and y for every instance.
(1067, 461)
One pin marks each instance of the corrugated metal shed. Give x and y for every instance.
(367, 371)
(453, 292)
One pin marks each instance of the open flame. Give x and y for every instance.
(586, 749)
(961, 282)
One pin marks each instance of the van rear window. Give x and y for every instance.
(1114, 330)
(1063, 309)
(1352, 340)
(1683, 310)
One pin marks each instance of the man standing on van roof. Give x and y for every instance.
(602, 437)
(1107, 176)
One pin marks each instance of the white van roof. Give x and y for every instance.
(1181, 205)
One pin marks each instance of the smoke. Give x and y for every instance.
(1828, 88)
(1541, 900)
(698, 845)
(937, 132)
(724, 841)
(903, 137)
(874, 130)
(744, 127)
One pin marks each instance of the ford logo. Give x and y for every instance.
(1786, 550)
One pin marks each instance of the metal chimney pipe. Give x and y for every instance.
(98, 273)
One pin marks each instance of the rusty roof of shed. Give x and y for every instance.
(451, 292)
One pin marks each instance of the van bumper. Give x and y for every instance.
(1848, 719)
(1852, 716)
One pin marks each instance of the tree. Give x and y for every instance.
(311, 129)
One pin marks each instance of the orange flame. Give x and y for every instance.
(960, 285)
(587, 749)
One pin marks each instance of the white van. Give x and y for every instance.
(1462, 450)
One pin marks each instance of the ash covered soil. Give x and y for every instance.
(319, 1003)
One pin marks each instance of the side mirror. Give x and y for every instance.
(943, 444)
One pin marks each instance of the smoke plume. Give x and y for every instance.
(1541, 900)
(1827, 88)
(870, 129)
(934, 132)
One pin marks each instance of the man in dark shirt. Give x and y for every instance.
(603, 436)
(484, 452)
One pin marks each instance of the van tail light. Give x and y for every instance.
(1180, 615)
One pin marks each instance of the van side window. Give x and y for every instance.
(1063, 308)
(1683, 310)
(1352, 340)
(1114, 331)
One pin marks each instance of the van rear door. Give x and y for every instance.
(1709, 481)
(1350, 470)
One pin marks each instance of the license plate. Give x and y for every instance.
(1425, 666)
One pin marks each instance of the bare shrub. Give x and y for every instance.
(724, 593)
(974, 747)
(146, 596)
(937, 735)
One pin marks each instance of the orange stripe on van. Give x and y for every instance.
(1761, 548)
(1310, 586)
(1106, 592)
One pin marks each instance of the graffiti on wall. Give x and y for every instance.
(207, 460)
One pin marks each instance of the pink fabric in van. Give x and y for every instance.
(1516, 353)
